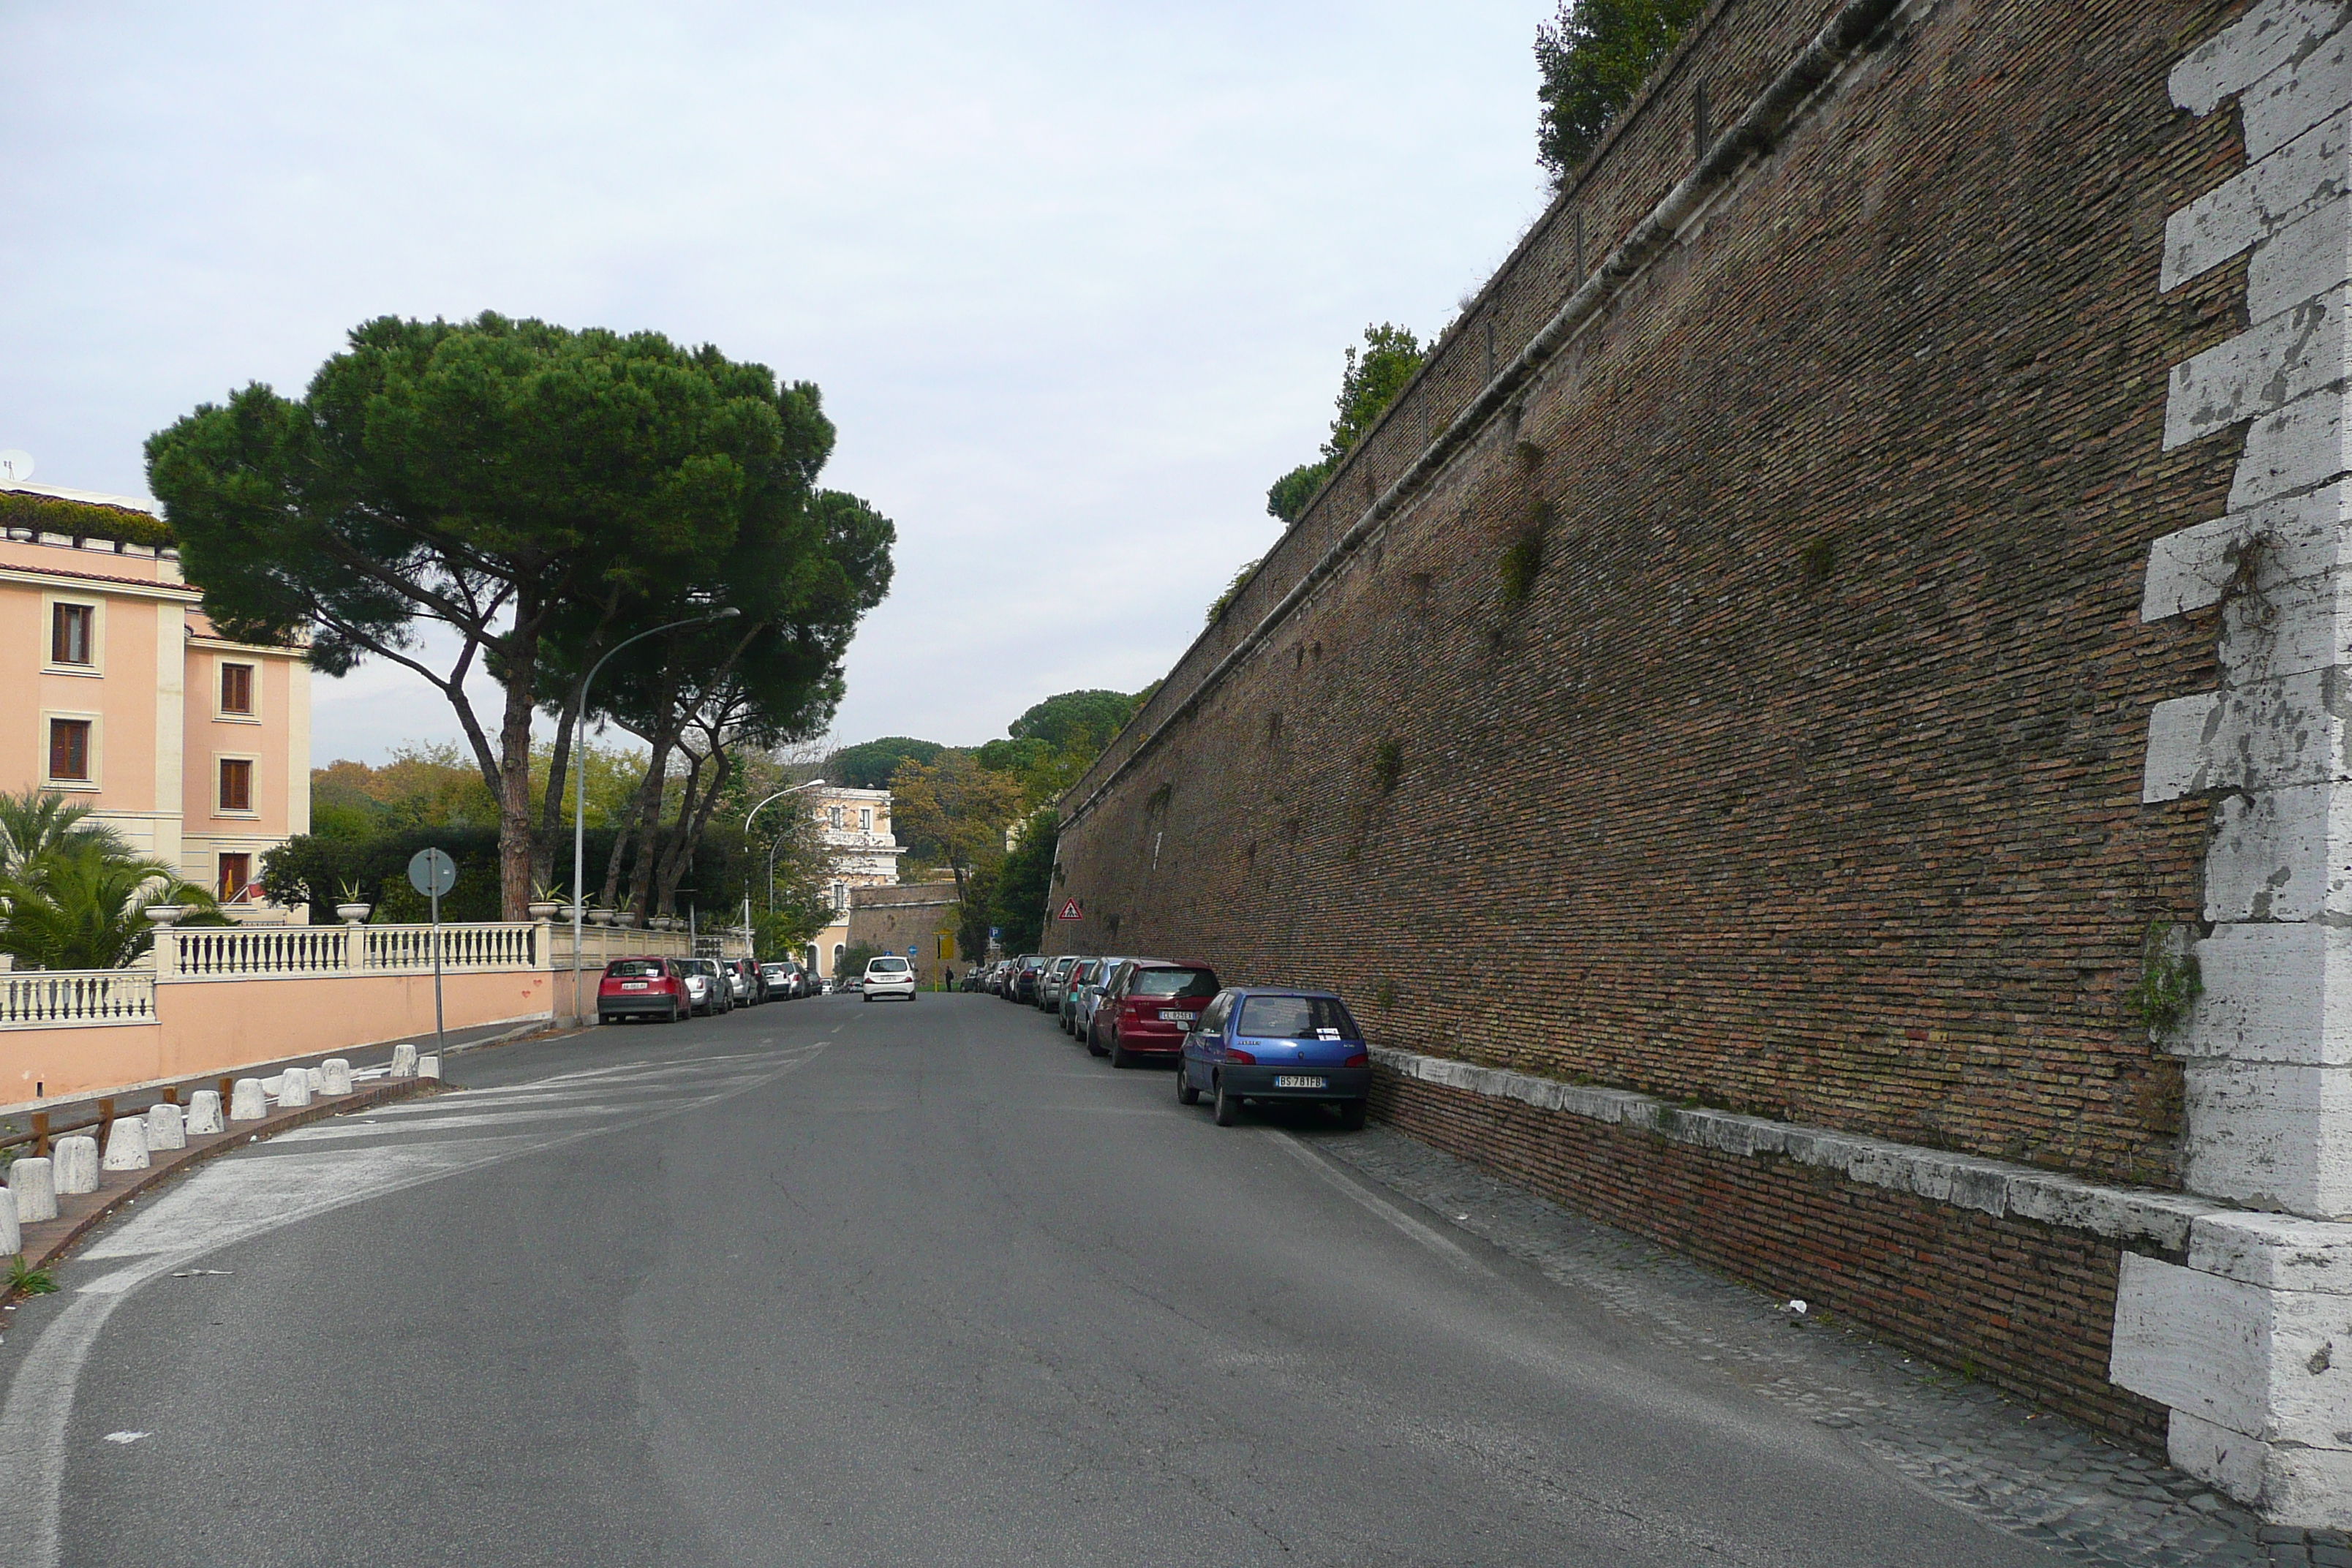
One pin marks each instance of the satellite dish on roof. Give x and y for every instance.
(15, 466)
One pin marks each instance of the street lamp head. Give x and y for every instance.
(728, 614)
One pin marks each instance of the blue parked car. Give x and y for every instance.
(1267, 1045)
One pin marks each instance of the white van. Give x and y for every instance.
(888, 977)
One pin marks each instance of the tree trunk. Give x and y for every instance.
(514, 766)
(645, 816)
(681, 853)
(662, 852)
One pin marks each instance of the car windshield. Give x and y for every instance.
(1298, 1018)
(1174, 983)
(634, 969)
(706, 967)
(887, 965)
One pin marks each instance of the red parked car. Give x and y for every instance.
(1147, 1008)
(643, 988)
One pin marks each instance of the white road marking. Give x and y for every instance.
(126, 1438)
(225, 1202)
(1388, 1211)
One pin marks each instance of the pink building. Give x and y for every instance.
(196, 748)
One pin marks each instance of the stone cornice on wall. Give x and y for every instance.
(2131, 1215)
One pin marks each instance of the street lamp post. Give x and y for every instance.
(747, 816)
(579, 781)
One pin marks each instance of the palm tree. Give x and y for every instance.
(82, 902)
(40, 820)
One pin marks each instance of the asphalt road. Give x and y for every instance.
(824, 1283)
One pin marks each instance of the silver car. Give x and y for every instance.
(703, 983)
(1090, 991)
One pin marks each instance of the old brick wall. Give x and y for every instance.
(1802, 773)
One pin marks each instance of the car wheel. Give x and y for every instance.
(1351, 1115)
(677, 1013)
(1229, 1106)
(1119, 1057)
(863, 997)
(1094, 1046)
(1185, 1093)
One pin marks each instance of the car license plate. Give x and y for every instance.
(632, 985)
(1174, 1015)
(1297, 1081)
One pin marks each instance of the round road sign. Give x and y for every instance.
(432, 873)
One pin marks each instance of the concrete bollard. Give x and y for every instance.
(429, 1067)
(315, 1079)
(294, 1089)
(274, 1085)
(167, 1126)
(247, 1100)
(334, 1077)
(126, 1145)
(33, 1184)
(203, 1111)
(404, 1061)
(11, 1235)
(75, 1159)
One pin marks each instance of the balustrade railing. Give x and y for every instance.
(264, 952)
(46, 998)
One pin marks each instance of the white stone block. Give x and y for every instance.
(166, 1126)
(2298, 94)
(2273, 993)
(2269, 735)
(247, 1100)
(429, 1066)
(2297, 448)
(2308, 1488)
(205, 1111)
(293, 1088)
(2270, 1135)
(126, 1144)
(12, 1237)
(75, 1159)
(2265, 367)
(2274, 1251)
(2301, 261)
(2304, 536)
(404, 1061)
(274, 1085)
(334, 1077)
(33, 1183)
(2281, 854)
(2269, 36)
(2258, 201)
(2220, 1455)
(314, 1080)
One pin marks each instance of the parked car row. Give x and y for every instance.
(669, 989)
(1231, 1044)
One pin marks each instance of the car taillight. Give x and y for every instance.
(1240, 1057)
(1360, 1059)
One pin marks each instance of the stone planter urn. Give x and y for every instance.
(166, 914)
(624, 917)
(544, 910)
(353, 914)
(600, 917)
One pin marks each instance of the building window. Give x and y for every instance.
(236, 784)
(840, 897)
(70, 632)
(833, 815)
(865, 819)
(236, 688)
(235, 878)
(70, 749)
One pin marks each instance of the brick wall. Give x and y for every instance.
(1802, 774)
(2026, 1305)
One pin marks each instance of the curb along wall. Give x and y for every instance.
(1797, 692)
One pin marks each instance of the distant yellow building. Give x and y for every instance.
(863, 852)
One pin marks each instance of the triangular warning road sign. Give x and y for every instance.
(1070, 910)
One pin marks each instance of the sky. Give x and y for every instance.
(1076, 278)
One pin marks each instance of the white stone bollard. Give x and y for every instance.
(126, 1145)
(12, 1237)
(429, 1066)
(274, 1085)
(166, 1126)
(247, 1100)
(75, 1159)
(334, 1077)
(404, 1061)
(33, 1184)
(203, 1111)
(314, 1080)
(294, 1089)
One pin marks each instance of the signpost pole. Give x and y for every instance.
(439, 1045)
(433, 873)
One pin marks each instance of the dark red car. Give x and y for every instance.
(643, 988)
(1147, 1009)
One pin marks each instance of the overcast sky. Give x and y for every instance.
(1076, 278)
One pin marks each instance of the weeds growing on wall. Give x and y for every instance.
(1818, 559)
(2169, 983)
(1522, 561)
(1388, 765)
